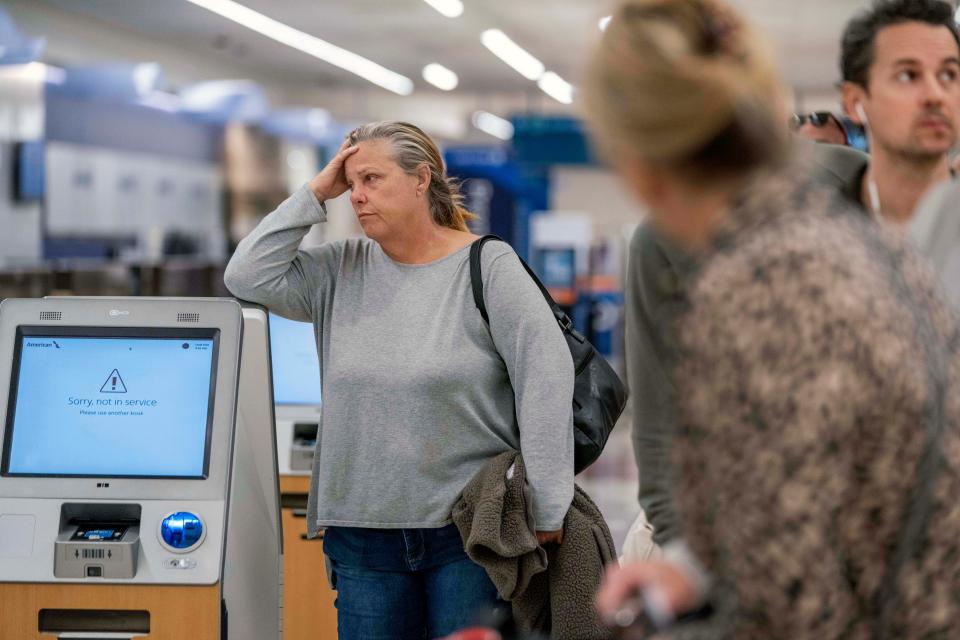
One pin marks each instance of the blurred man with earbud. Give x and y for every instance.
(900, 62)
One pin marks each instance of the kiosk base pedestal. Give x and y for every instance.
(45, 611)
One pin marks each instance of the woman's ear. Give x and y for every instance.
(644, 180)
(423, 179)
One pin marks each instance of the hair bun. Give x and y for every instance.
(670, 75)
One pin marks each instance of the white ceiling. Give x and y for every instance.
(404, 35)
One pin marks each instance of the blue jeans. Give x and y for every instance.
(405, 583)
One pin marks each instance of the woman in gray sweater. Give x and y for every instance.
(418, 392)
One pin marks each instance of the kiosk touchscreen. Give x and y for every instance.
(119, 471)
(296, 392)
(94, 402)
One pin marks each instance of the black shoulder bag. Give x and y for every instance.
(598, 394)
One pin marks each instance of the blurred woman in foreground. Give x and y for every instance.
(818, 450)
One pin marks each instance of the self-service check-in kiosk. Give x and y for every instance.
(296, 393)
(138, 496)
(308, 611)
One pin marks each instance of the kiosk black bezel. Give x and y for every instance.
(165, 333)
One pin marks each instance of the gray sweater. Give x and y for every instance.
(418, 394)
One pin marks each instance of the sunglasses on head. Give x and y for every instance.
(816, 118)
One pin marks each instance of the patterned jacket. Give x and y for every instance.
(816, 358)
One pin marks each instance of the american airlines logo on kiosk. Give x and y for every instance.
(43, 345)
(114, 313)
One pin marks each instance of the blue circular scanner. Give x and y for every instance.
(182, 530)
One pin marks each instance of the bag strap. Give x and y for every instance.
(476, 278)
(476, 282)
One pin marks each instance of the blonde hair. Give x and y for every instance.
(411, 148)
(688, 85)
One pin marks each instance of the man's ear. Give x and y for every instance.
(853, 96)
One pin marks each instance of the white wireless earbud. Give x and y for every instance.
(863, 114)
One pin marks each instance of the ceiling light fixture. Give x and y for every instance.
(440, 77)
(556, 87)
(449, 8)
(527, 65)
(311, 45)
(494, 125)
(512, 53)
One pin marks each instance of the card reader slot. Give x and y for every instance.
(93, 621)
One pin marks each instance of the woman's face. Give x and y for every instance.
(385, 199)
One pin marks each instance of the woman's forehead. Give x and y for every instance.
(370, 154)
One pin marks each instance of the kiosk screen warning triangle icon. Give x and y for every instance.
(114, 383)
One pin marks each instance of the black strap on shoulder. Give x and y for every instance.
(476, 282)
(476, 277)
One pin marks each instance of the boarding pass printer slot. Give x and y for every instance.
(97, 541)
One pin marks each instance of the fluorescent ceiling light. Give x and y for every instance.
(440, 77)
(450, 126)
(556, 87)
(604, 21)
(512, 53)
(311, 45)
(449, 8)
(494, 125)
